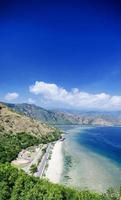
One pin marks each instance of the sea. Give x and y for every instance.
(91, 157)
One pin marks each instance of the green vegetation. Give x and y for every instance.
(33, 169)
(16, 185)
(51, 137)
(24, 187)
(11, 145)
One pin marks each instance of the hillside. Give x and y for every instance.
(16, 185)
(12, 122)
(97, 118)
(67, 117)
(38, 113)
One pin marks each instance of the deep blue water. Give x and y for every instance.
(92, 157)
(103, 140)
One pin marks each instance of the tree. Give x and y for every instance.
(4, 191)
(33, 169)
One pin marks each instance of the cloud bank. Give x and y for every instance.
(11, 96)
(75, 98)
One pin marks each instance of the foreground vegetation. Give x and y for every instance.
(16, 185)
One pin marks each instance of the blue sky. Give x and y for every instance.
(72, 44)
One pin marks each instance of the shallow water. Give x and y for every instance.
(92, 157)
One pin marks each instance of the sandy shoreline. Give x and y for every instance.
(55, 164)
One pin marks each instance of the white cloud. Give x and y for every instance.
(49, 91)
(30, 100)
(11, 96)
(75, 98)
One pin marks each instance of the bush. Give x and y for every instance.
(33, 169)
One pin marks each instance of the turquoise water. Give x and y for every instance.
(92, 157)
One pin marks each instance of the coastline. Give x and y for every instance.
(55, 164)
(86, 166)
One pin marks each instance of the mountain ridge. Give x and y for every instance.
(58, 117)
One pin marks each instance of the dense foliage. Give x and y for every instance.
(51, 137)
(11, 145)
(16, 185)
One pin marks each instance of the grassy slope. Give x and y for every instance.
(12, 122)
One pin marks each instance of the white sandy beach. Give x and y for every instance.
(55, 165)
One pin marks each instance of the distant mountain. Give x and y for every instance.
(67, 117)
(39, 113)
(12, 122)
(95, 117)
